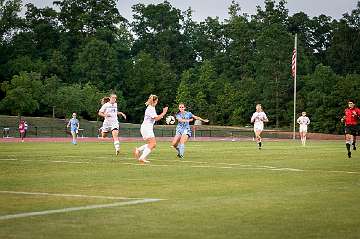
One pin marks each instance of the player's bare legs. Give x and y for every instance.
(349, 139)
(146, 150)
(258, 137)
(184, 138)
(175, 144)
(354, 142)
(115, 135)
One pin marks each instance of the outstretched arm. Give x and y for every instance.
(160, 116)
(201, 119)
(122, 114)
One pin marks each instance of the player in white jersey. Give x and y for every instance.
(258, 118)
(303, 121)
(147, 129)
(110, 113)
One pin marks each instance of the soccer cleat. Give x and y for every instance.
(181, 157)
(349, 154)
(354, 147)
(142, 161)
(117, 152)
(136, 153)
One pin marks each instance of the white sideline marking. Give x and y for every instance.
(287, 169)
(71, 209)
(67, 195)
(225, 165)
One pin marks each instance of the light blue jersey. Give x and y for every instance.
(183, 127)
(73, 124)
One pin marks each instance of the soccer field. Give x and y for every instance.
(220, 190)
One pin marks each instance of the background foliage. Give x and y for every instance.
(71, 57)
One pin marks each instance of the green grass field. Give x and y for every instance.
(220, 190)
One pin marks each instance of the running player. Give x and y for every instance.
(147, 129)
(303, 121)
(350, 119)
(110, 113)
(22, 130)
(74, 127)
(258, 118)
(183, 129)
(101, 133)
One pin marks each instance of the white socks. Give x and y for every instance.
(145, 153)
(117, 145)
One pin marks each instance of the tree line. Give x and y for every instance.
(67, 57)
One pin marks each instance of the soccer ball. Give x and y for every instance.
(170, 119)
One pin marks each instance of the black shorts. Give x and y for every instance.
(352, 129)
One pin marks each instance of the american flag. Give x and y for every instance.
(293, 64)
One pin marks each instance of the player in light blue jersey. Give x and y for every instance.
(74, 127)
(183, 129)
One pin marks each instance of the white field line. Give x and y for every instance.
(133, 201)
(224, 165)
(71, 209)
(68, 195)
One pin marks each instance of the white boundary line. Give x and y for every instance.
(133, 201)
(68, 195)
(71, 209)
(203, 165)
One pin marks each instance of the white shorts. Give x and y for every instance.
(303, 128)
(109, 126)
(258, 127)
(147, 131)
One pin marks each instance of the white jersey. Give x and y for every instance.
(111, 112)
(147, 126)
(258, 119)
(150, 114)
(303, 120)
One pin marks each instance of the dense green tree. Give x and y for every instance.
(148, 76)
(97, 63)
(22, 93)
(158, 30)
(219, 69)
(344, 53)
(273, 47)
(10, 21)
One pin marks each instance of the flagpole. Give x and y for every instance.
(294, 123)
